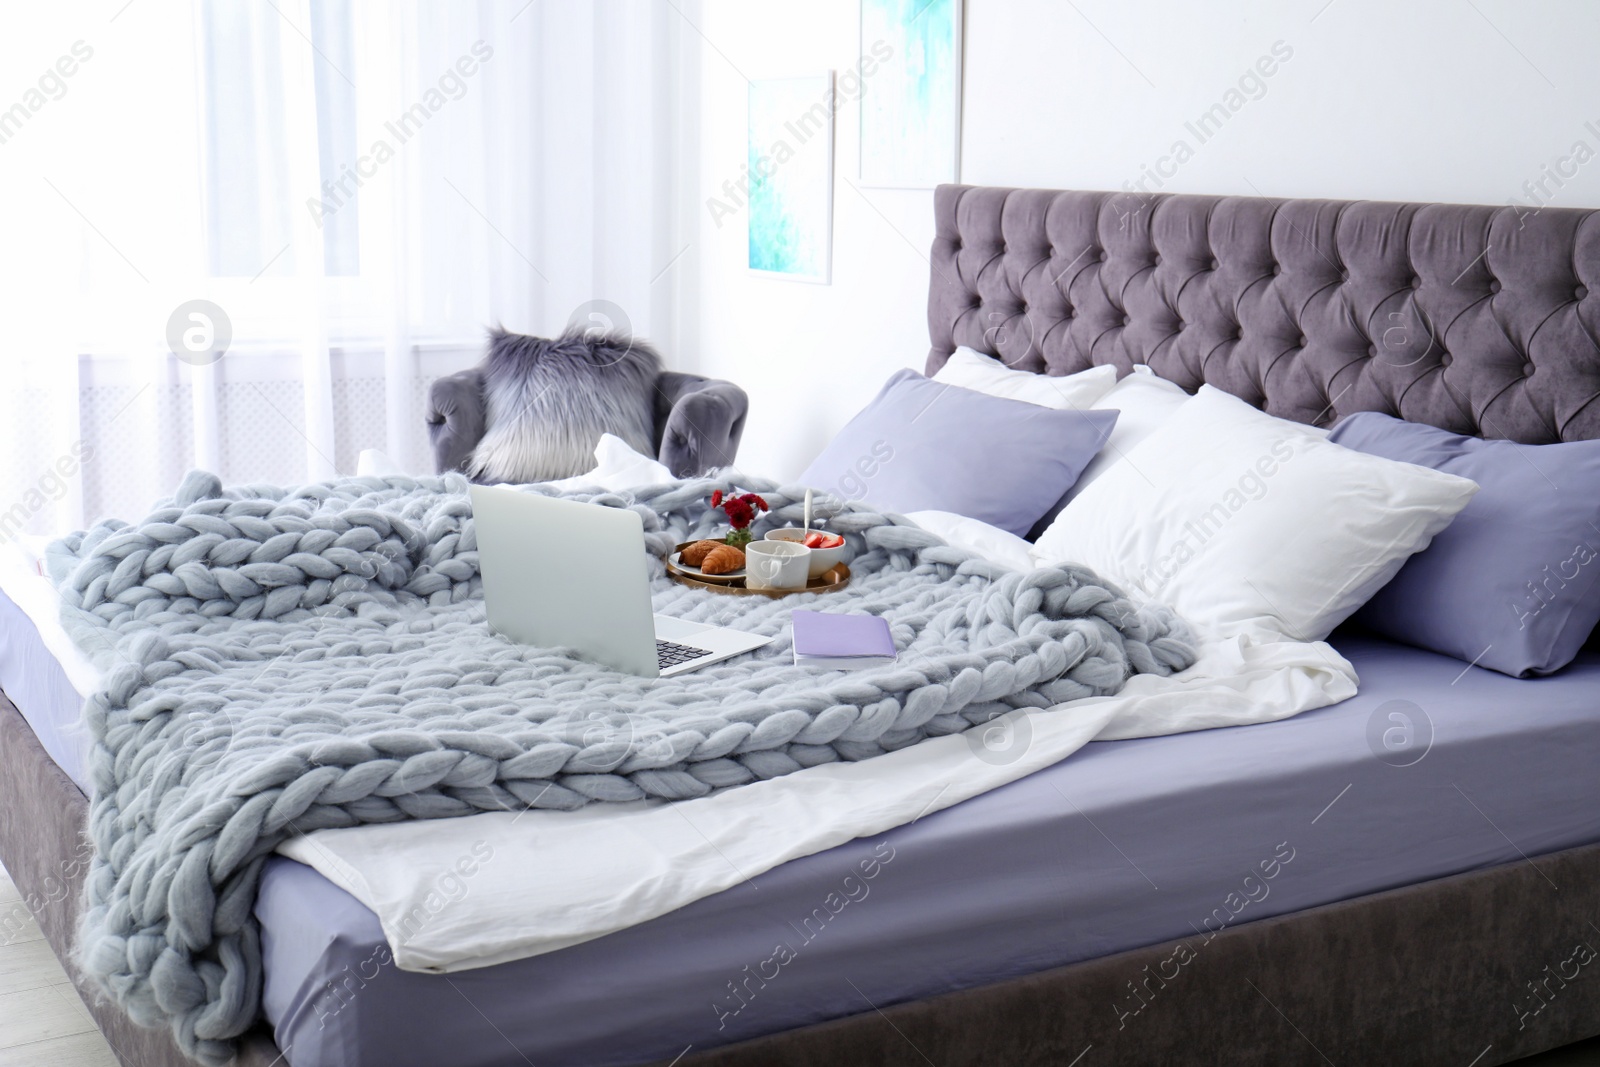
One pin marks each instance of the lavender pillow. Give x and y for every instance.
(922, 445)
(1511, 584)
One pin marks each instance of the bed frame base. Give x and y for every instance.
(1481, 968)
(43, 815)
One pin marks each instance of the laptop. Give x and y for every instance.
(563, 574)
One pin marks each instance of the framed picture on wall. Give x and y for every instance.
(789, 152)
(911, 104)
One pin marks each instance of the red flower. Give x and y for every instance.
(741, 510)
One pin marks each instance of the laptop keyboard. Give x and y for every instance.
(670, 655)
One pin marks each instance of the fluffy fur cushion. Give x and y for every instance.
(549, 401)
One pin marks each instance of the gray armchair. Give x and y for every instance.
(698, 421)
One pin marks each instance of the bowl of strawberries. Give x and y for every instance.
(826, 548)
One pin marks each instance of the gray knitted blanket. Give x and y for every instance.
(285, 661)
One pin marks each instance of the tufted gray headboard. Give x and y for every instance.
(1476, 319)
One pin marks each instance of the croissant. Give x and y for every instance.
(722, 559)
(695, 554)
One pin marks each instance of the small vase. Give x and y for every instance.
(738, 538)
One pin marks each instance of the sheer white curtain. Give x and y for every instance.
(350, 191)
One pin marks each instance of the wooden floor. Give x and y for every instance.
(44, 1024)
(42, 1021)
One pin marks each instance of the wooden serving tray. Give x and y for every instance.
(830, 580)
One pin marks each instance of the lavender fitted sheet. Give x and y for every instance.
(1125, 844)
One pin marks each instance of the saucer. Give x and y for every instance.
(675, 563)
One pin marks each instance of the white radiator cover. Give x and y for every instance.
(138, 419)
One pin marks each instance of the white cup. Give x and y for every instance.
(775, 565)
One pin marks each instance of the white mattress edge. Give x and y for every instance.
(41, 603)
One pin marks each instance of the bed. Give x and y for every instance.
(1097, 913)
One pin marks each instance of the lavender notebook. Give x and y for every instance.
(841, 641)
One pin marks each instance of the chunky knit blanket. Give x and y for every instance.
(285, 661)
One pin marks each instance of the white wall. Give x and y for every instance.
(809, 355)
(1453, 100)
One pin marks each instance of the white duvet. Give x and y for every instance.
(457, 894)
(463, 893)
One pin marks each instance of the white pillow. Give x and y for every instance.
(985, 374)
(375, 463)
(1242, 522)
(619, 467)
(1146, 401)
(978, 537)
